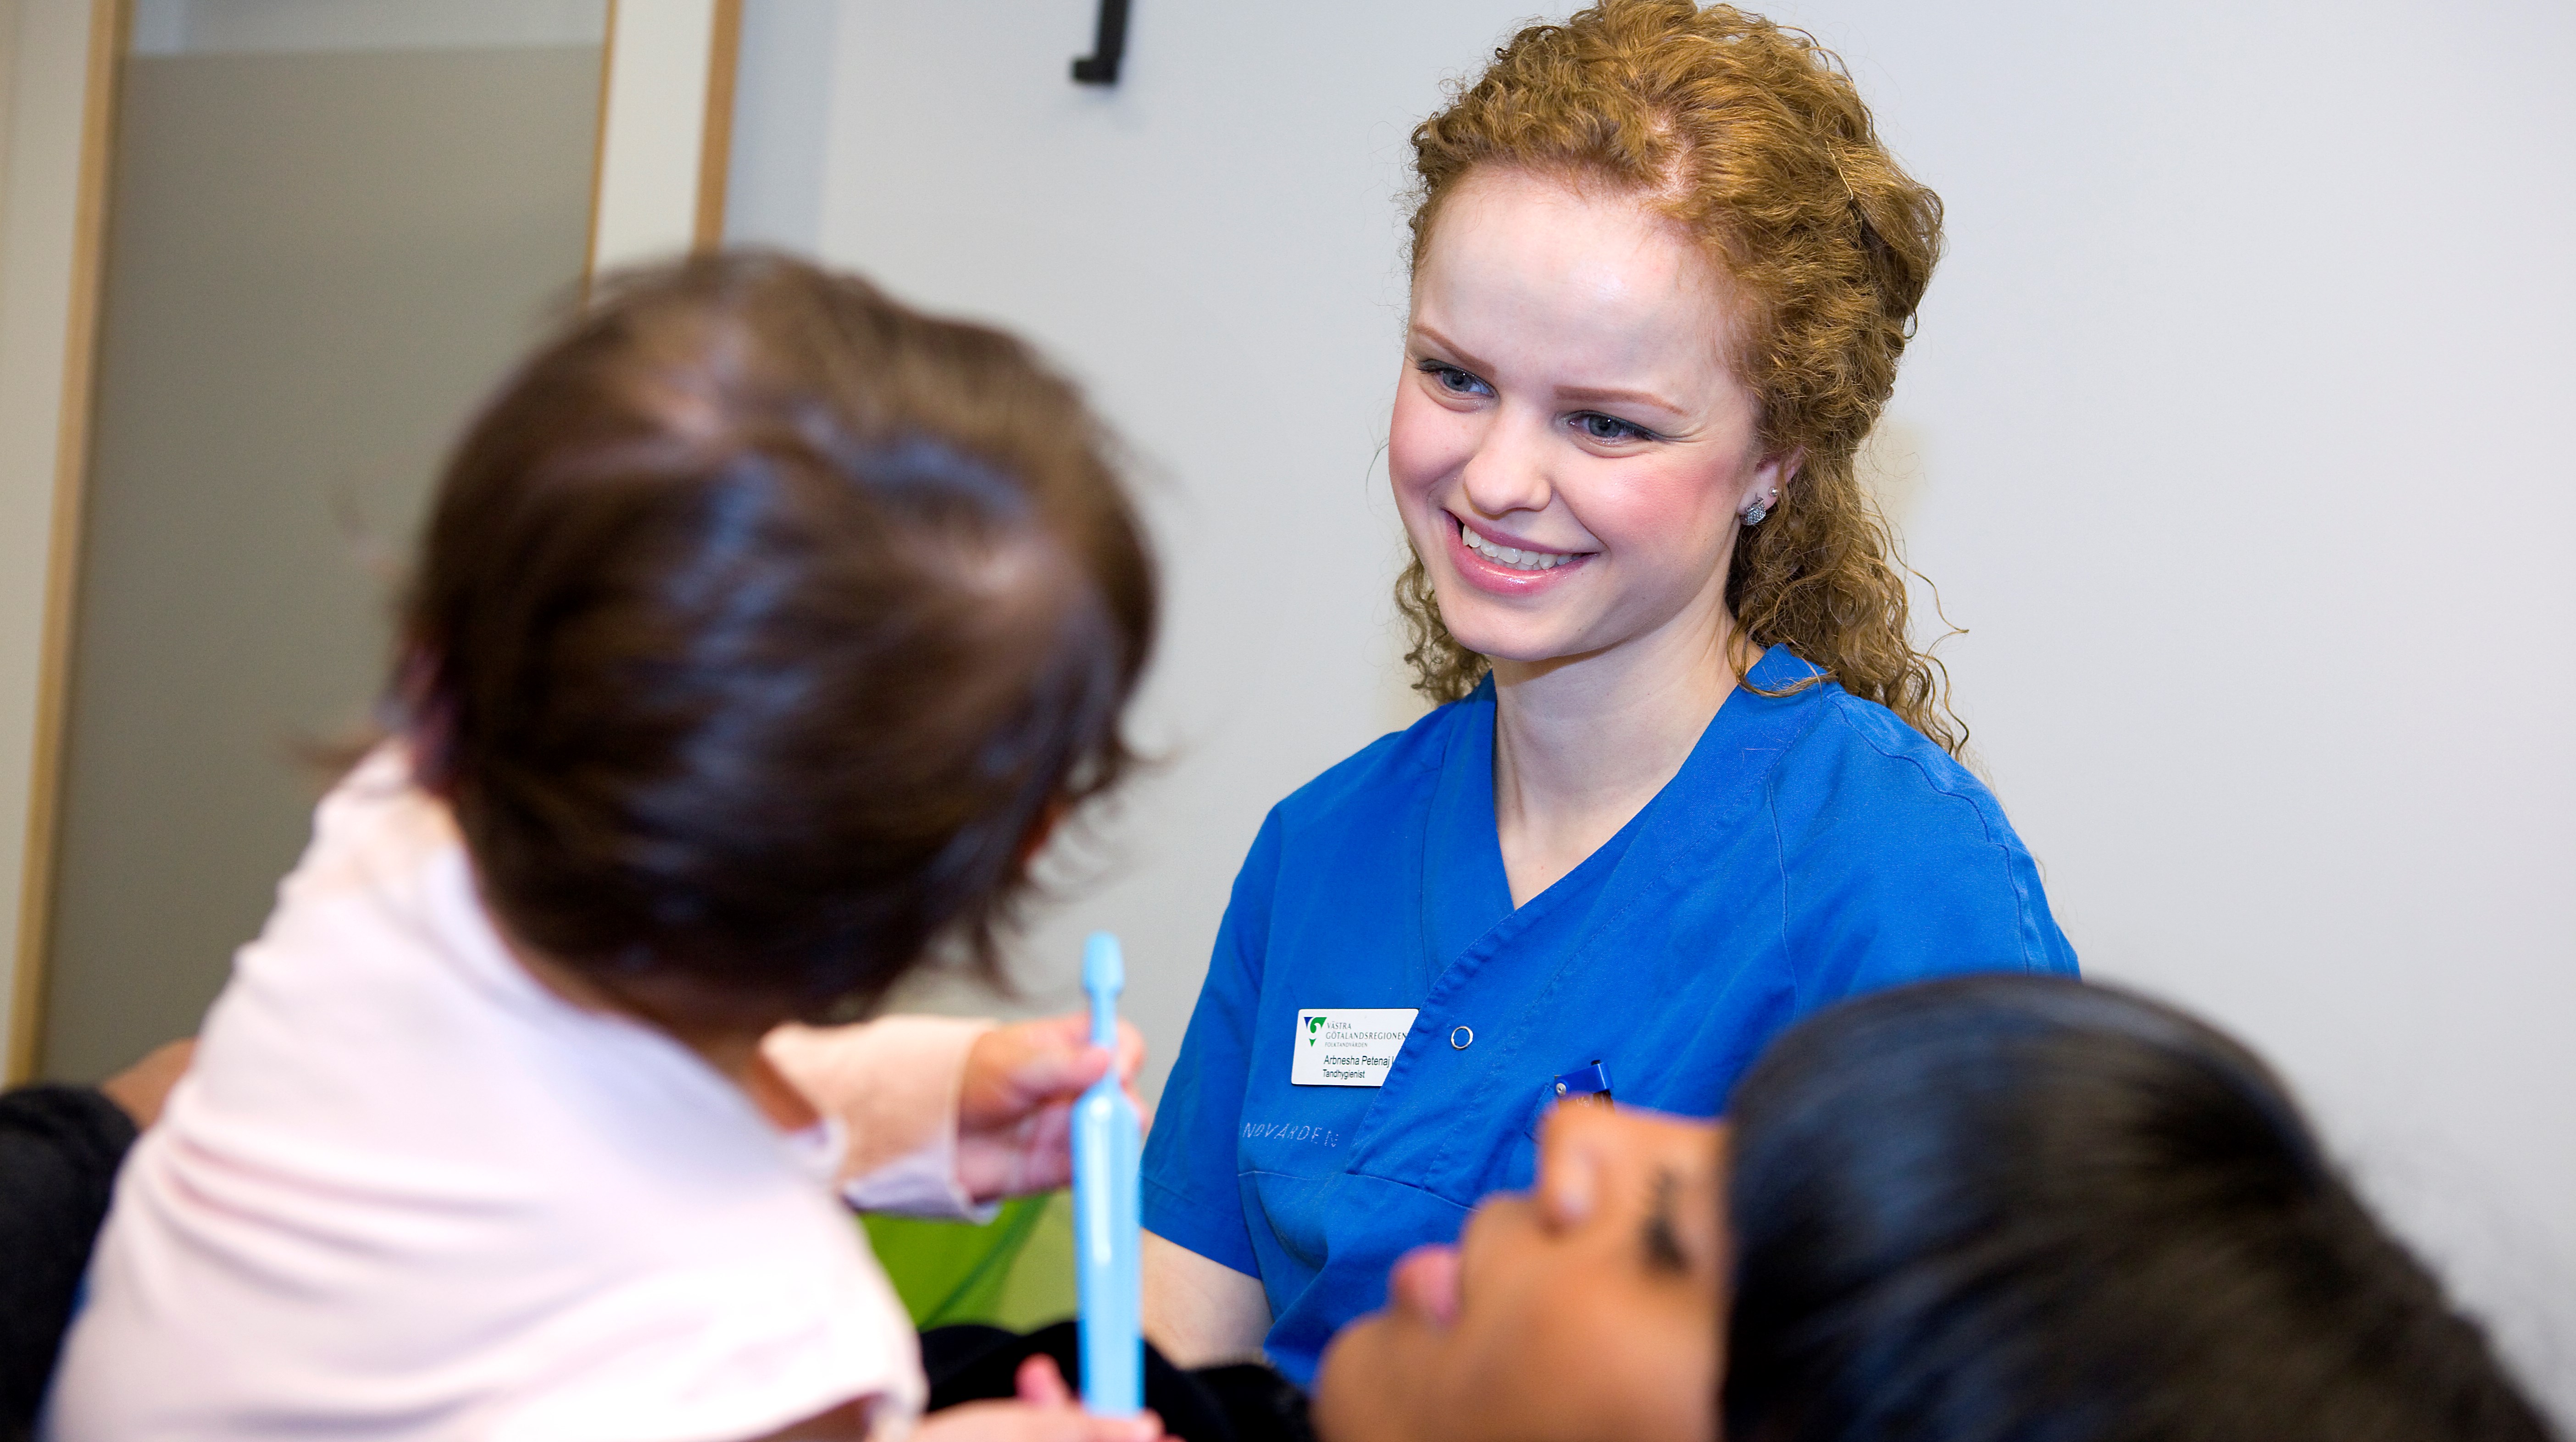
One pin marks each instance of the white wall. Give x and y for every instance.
(2238, 427)
(1211, 248)
(2234, 434)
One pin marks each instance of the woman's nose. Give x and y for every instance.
(1507, 471)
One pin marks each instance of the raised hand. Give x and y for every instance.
(1013, 1115)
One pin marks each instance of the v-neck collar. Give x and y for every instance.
(1466, 893)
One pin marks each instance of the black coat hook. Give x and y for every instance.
(1108, 47)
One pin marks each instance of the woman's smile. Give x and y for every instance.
(1508, 566)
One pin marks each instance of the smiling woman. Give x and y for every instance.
(1707, 141)
(1691, 782)
(1571, 453)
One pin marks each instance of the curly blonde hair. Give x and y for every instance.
(1752, 139)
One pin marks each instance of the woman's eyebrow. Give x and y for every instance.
(1443, 343)
(1616, 396)
(1663, 1245)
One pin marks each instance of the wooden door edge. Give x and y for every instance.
(715, 137)
(690, 215)
(599, 151)
(111, 21)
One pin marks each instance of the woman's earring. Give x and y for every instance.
(1754, 513)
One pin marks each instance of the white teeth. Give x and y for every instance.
(1512, 556)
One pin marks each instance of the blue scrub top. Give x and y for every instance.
(1811, 847)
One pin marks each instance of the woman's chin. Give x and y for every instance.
(1354, 1396)
(1508, 641)
(1519, 663)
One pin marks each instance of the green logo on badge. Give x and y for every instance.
(1314, 1024)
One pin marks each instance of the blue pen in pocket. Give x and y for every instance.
(1108, 1146)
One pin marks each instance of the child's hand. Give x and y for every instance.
(1014, 1115)
(1045, 1412)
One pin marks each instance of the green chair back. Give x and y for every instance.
(1015, 1271)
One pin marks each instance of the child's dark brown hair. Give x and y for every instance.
(762, 628)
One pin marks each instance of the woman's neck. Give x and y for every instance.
(1581, 744)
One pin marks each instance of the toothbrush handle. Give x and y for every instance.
(1108, 1240)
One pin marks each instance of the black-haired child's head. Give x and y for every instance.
(762, 628)
(2014, 1207)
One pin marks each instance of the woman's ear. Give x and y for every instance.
(1770, 478)
(1777, 473)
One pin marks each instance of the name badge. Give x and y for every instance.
(1349, 1046)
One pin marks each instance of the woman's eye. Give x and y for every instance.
(1663, 1245)
(1608, 429)
(1453, 380)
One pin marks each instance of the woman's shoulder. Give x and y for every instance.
(1855, 757)
(1897, 862)
(1858, 784)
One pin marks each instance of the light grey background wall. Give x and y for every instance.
(2235, 436)
(2240, 427)
(318, 258)
(2238, 435)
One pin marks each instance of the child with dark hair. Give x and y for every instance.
(762, 630)
(1984, 1209)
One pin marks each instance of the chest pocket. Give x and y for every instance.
(1584, 1083)
(1295, 1131)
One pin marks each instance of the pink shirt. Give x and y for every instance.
(406, 1192)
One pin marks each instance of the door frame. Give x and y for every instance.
(62, 115)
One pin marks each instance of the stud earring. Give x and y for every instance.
(1754, 513)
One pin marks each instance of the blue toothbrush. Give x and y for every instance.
(1108, 1235)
